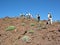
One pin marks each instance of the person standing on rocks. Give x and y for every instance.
(49, 18)
(22, 15)
(38, 17)
(29, 16)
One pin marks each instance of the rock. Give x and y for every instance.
(59, 30)
(0, 34)
(19, 37)
(24, 33)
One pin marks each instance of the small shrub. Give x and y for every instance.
(38, 28)
(32, 24)
(10, 28)
(43, 27)
(38, 25)
(31, 31)
(23, 24)
(41, 23)
(26, 38)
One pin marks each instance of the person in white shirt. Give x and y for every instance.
(29, 15)
(49, 18)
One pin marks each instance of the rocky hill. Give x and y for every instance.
(22, 31)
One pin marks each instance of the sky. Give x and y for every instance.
(13, 8)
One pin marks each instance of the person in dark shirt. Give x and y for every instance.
(38, 17)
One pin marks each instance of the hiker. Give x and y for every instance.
(29, 16)
(38, 17)
(49, 18)
(22, 15)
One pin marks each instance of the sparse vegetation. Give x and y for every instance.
(32, 24)
(43, 27)
(38, 28)
(23, 24)
(31, 31)
(41, 23)
(10, 28)
(26, 38)
(28, 32)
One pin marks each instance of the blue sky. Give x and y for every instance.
(15, 7)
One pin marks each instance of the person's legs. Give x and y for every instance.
(38, 19)
(50, 20)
